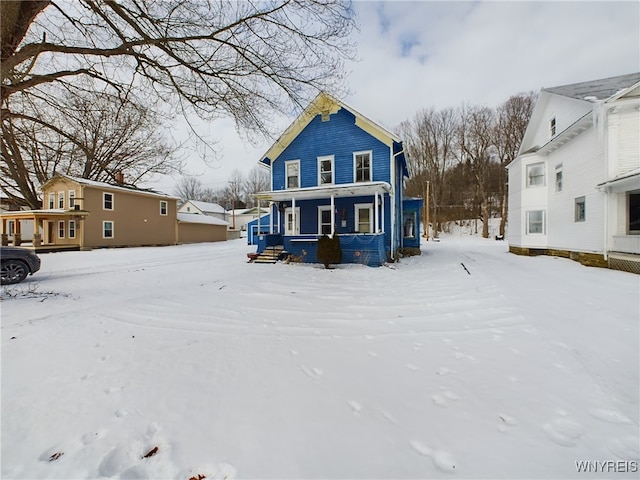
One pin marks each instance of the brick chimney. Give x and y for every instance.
(120, 177)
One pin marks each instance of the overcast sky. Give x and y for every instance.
(417, 54)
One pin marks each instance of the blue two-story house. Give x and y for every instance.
(336, 172)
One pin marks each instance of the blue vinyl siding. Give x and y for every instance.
(339, 137)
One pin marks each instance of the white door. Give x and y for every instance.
(291, 221)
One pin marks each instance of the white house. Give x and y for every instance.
(204, 208)
(574, 189)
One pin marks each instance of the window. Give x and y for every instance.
(293, 173)
(552, 127)
(559, 178)
(580, 213)
(163, 207)
(52, 201)
(11, 227)
(107, 229)
(364, 217)
(60, 199)
(107, 201)
(324, 220)
(535, 175)
(72, 229)
(292, 221)
(72, 199)
(61, 229)
(535, 222)
(362, 166)
(325, 170)
(409, 227)
(634, 213)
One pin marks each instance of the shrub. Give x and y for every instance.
(329, 250)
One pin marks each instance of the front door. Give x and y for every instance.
(291, 221)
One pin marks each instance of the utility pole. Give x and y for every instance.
(426, 222)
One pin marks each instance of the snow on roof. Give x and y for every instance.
(207, 207)
(204, 219)
(94, 183)
(601, 89)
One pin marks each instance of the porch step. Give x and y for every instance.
(270, 254)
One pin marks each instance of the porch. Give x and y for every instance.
(43, 230)
(365, 248)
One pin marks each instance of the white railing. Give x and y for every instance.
(626, 244)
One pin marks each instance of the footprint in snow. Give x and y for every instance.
(506, 422)
(372, 354)
(611, 416)
(412, 367)
(311, 372)
(442, 399)
(445, 371)
(564, 432)
(441, 459)
(355, 406)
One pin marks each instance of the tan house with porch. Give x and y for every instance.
(80, 213)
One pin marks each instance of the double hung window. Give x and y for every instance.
(535, 222)
(293, 173)
(107, 201)
(362, 166)
(535, 175)
(325, 170)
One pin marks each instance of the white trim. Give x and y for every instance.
(52, 200)
(325, 208)
(113, 229)
(363, 152)
(72, 197)
(324, 158)
(295, 211)
(71, 230)
(63, 230)
(356, 219)
(341, 190)
(61, 196)
(527, 178)
(166, 208)
(113, 197)
(526, 224)
(286, 174)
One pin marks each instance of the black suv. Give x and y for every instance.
(17, 263)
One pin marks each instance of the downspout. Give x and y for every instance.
(393, 202)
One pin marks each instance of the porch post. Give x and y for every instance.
(382, 207)
(333, 215)
(271, 218)
(258, 220)
(293, 216)
(376, 220)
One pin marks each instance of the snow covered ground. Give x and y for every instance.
(213, 367)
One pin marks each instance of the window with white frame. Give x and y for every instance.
(580, 210)
(61, 229)
(60, 199)
(324, 220)
(535, 175)
(325, 170)
(107, 201)
(362, 167)
(535, 222)
(163, 207)
(553, 128)
(72, 229)
(107, 229)
(559, 178)
(634, 213)
(72, 199)
(292, 168)
(364, 217)
(52, 201)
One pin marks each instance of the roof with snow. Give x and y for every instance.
(601, 89)
(94, 183)
(207, 207)
(204, 219)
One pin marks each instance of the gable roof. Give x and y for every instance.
(601, 89)
(207, 207)
(107, 186)
(325, 104)
(201, 219)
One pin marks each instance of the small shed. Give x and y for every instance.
(256, 227)
(195, 228)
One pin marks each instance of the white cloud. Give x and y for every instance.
(416, 54)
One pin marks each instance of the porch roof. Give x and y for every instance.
(325, 191)
(626, 182)
(31, 214)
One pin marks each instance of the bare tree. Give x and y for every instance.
(231, 58)
(90, 135)
(475, 144)
(189, 188)
(513, 117)
(430, 142)
(257, 180)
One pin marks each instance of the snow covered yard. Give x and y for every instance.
(520, 369)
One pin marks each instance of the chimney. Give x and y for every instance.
(120, 177)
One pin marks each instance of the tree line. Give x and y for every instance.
(459, 155)
(90, 89)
